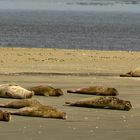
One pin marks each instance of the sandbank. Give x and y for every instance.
(68, 69)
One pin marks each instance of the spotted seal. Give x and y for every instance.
(20, 103)
(107, 102)
(40, 111)
(45, 90)
(96, 90)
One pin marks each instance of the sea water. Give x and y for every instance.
(71, 24)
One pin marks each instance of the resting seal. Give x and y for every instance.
(96, 90)
(40, 111)
(46, 90)
(108, 102)
(21, 103)
(132, 73)
(14, 91)
(32, 107)
(5, 116)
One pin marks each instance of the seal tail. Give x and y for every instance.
(68, 103)
(71, 91)
(3, 105)
(13, 112)
(126, 75)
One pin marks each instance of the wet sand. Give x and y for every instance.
(68, 69)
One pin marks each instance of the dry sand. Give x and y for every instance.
(68, 69)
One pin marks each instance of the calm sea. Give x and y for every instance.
(71, 24)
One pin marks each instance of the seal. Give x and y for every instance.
(106, 102)
(14, 91)
(96, 90)
(45, 90)
(20, 103)
(40, 111)
(132, 73)
(5, 116)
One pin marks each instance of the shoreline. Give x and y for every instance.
(59, 74)
(64, 49)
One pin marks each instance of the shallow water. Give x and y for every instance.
(80, 24)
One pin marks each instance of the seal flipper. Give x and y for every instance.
(58, 115)
(71, 91)
(46, 94)
(69, 103)
(3, 104)
(126, 75)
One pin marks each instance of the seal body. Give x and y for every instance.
(5, 116)
(40, 111)
(14, 91)
(107, 102)
(20, 103)
(132, 73)
(45, 90)
(96, 90)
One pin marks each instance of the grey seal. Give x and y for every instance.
(20, 103)
(40, 111)
(14, 91)
(107, 102)
(95, 90)
(45, 90)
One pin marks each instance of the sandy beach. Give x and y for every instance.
(69, 69)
